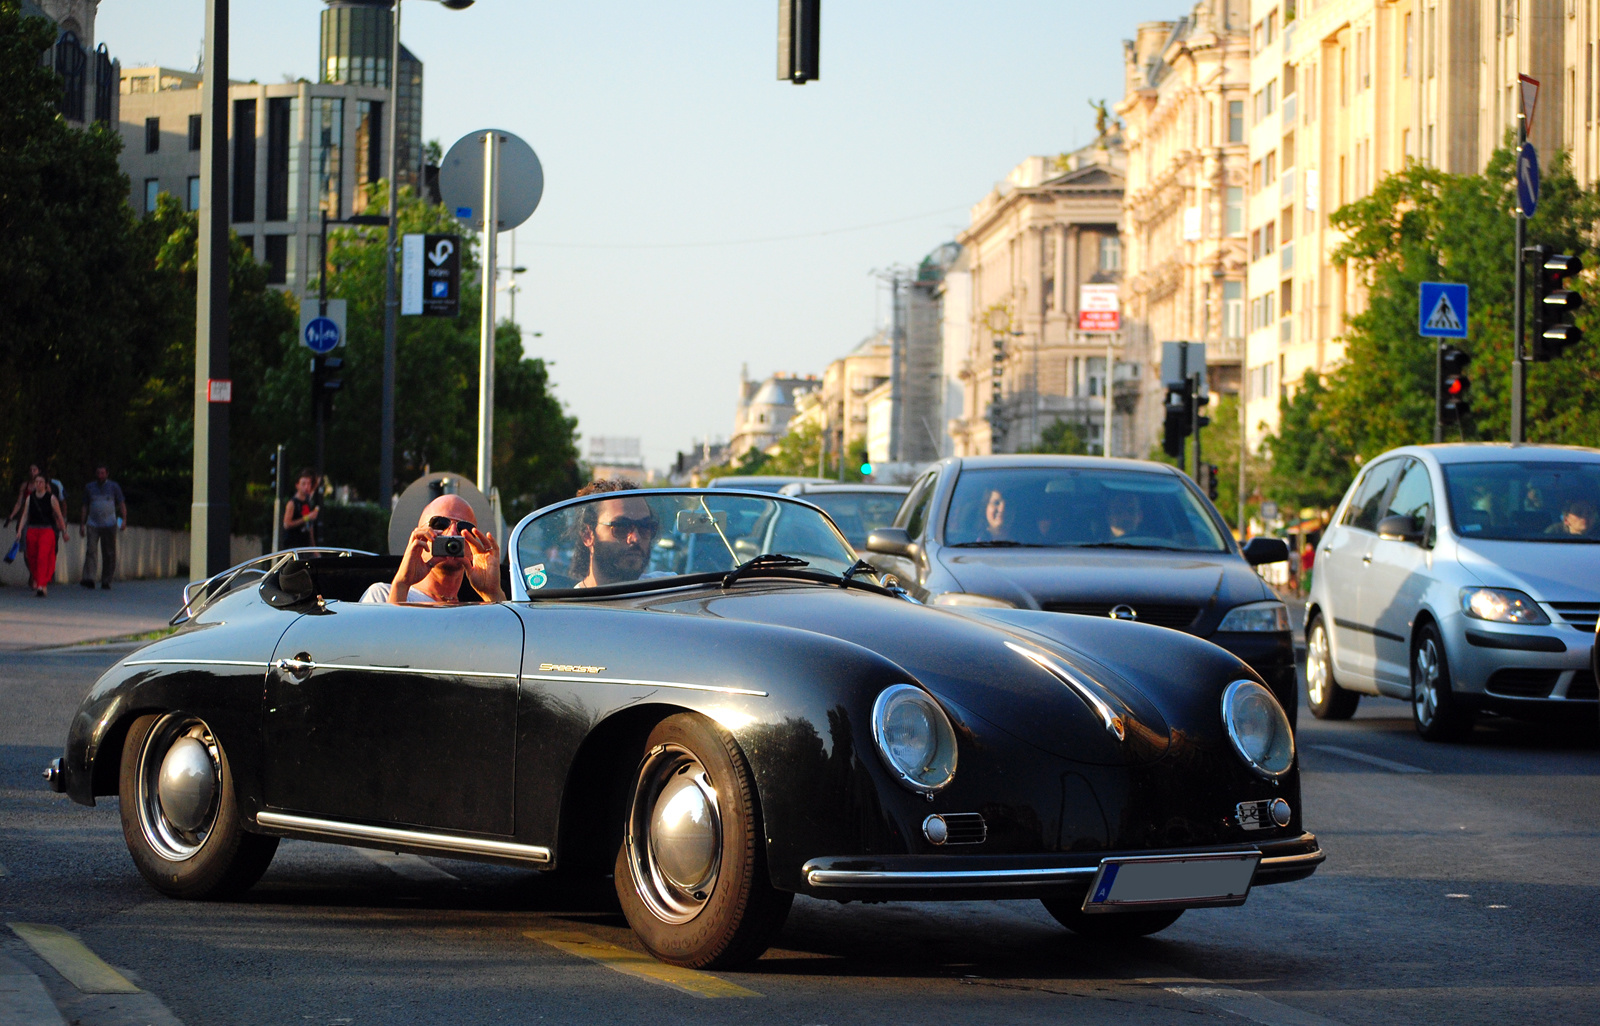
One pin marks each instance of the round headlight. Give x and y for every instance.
(1258, 728)
(915, 738)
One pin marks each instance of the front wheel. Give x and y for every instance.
(1435, 710)
(1327, 700)
(1109, 926)
(691, 873)
(180, 818)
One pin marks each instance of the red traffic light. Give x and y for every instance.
(1456, 386)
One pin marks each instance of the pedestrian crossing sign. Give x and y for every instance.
(1442, 310)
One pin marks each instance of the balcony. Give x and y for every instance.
(1290, 106)
(1286, 185)
(1286, 258)
(1286, 331)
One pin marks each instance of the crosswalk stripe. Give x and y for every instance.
(412, 867)
(632, 963)
(72, 959)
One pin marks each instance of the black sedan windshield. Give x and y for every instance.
(1074, 507)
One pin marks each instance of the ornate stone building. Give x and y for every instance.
(89, 75)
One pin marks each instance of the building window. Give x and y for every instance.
(1255, 245)
(1428, 40)
(194, 192)
(152, 135)
(1288, 150)
(1255, 177)
(1268, 239)
(1269, 168)
(152, 190)
(244, 160)
(1235, 121)
(1286, 219)
(1233, 309)
(277, 247)
(1233, 212)
(278, 117)
(105, 84)
(1110, 254)
(72, 64)
(369, 148)
(1270, 94)
(194, 132)
(327, 133)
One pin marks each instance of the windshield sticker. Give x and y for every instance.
(535, 577)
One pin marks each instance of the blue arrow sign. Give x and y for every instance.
(1528, 180)
(321, 335)
(1442, 310)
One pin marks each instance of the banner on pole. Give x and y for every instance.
(1098, 309)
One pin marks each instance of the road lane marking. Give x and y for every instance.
(412, 867)
(72, 959)
(1252, 1006)
(632, 963)
(1370, 760)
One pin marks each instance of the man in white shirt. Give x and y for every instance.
(422, 577)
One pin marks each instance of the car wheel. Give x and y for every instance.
(691, 872)
(1327, 700)
(1108, 925)
(1435, 710)
(180, 817)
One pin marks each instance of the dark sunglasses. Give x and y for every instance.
(624, 526)
(442, 524)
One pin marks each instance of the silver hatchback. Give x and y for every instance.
(1461, 578)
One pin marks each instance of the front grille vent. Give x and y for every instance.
(965, 828)
(1581, 615)
(1583, 686)
(1177, 617)
(1516, 683)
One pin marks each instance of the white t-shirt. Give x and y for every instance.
(380, 593)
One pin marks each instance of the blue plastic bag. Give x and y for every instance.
(16, 549)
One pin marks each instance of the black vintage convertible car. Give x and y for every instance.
(705, 694)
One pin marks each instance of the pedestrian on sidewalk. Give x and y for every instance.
(22, 493)
(41, 520)
(104, 514)
(300, 515)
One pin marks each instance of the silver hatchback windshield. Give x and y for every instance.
(619, 537)
(1541, 501)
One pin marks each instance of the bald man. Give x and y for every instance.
(424, 578)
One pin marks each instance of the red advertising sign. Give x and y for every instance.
(1098, 309)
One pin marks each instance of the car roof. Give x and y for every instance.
(1493, 452)
(815, 488)
(1045, 460)
(742, 480)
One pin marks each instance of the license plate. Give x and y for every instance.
(1190, 881)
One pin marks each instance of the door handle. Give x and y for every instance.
(299, 667)
(1367, 558)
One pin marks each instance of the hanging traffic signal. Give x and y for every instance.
(331, 365)
(1553, 303)
(1179, 418)
(1202, 420)
(1208, 479)
(1454, 385)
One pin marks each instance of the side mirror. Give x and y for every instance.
(1399, 528)
(1265, 550)
(891, 541)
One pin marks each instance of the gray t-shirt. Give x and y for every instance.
(103, 502)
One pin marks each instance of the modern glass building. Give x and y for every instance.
(357, 42)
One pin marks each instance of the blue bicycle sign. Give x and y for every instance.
(321, 335)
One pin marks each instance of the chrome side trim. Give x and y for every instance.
(198, 662)
(946, 878)
(586, 679)
(417, 838)
(1112, 722)
(1306, 858)
(413, 669)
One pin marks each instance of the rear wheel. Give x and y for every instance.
(691, 873)
(1435, 710)
(180, 818)
(1108, 925)
(1326, 699)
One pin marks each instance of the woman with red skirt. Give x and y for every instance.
(41, 517)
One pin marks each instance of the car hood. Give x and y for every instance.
(1549, 571)
(983, 670)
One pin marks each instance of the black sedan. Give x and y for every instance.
(1128, 539)
(717, 741)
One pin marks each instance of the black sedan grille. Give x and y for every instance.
(1177, 617)
(1581, 615)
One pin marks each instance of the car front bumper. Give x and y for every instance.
(974, 877)
(1513, 666)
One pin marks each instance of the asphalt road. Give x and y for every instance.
(1460, 888)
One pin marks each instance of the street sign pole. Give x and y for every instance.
(1519, 370)
(209, 548)
(391, 290)
(1438, 392)
(491, 233)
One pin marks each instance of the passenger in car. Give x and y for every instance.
(1124, 514)
(614, 539)
(997, 519)
(1577, 519)
(422, 577)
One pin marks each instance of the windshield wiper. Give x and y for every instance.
(860, 566)
(1126, 545)
(997, 543)
(765, 561)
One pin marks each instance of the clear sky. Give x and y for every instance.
(668, 143)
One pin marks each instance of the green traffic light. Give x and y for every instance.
(866, 470)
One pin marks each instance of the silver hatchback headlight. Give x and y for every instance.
(1258, 728)
(915, 738)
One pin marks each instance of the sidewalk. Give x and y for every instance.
(72, 614)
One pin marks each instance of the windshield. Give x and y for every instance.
(858, 512)
(1074, 507)
(1540, 501)
(617, 537)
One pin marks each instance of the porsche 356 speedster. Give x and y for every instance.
(706, 695)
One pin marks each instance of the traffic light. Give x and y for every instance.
(997, 376)
(331, 365)
(1454, 385)
(1202, 420)
(1208, 480)
(1553, 303)
(799, 26)
(1180, 416)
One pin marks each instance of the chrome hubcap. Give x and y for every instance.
(1425, 682)
(180, 782)
(1317, 667)
(674, 834)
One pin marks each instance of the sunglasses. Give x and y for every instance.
(624, 526)
(442, 524)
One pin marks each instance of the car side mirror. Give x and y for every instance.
(1257, 551)
(891, 541)
(1399, 528)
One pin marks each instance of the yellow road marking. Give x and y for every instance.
(81, 967)
(633, 963)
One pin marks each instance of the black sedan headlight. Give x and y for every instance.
(1258, 728)
(914, 738)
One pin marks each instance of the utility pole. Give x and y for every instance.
(209, 545)
(491, 235)
(1519, 360)
(391, 291)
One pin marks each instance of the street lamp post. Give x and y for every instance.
(209, 544)
(391, 291)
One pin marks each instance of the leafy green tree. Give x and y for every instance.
(1062, 438)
